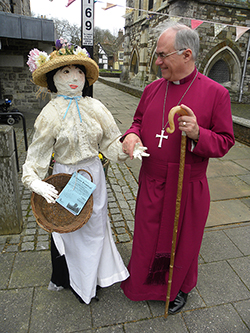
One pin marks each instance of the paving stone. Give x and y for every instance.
(15, 239)
(122, 183)
(111, 197)
(245, 163)
(42, 246)
(116, 188)
(132, 206)
(114, 210)
(219, 319)
(119, 197)
(15, 308)
(217, 246)
(240, 236)
(245, 178)
(123, 238)
(111, 329)
(31, 218)
(55, 311)
(31, 269)
(6, 263)
(226, 212)
(120, 230)
(112, 205)
(117, 217)
(28, 238)
(43, 237)
(243, 307)
(114, 307)
(128, 196)
(30, 231)
(218, 168)
(218, 283)
(29, 246)
(125, 250)
(241, 266)
(246, 201)
(119, 224)
(3, 239)
(128, 215)
(123, 204)
(171, 324)
(12, 248)
(42, 231)
(131, 225)
(2, 246)
(126, 189)
(31, 225)
(228, 188)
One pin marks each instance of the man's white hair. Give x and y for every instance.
(186, 38)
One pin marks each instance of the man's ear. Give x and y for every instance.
(187, 54)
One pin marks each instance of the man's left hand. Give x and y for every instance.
(188, 123)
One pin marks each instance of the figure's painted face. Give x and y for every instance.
(69, 81)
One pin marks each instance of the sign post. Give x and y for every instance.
(87, 29)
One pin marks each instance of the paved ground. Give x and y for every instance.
(219, 303)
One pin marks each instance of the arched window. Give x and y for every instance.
(134, 63)
(220, 72)
(223, 66)
(140, 7)
(155, 70)
(150, 4)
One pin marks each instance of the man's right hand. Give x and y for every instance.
(129, 143)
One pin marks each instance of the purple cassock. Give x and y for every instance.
(155, 205)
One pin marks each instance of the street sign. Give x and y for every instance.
(88, 23)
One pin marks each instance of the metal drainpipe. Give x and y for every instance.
(244, 70)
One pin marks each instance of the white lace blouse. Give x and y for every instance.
(70, 139)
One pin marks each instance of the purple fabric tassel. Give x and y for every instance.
(158, 269)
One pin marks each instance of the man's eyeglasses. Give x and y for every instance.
(162, 55)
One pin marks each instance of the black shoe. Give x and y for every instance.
(179, 302)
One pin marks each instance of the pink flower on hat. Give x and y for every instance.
(31, 59)
(36, 58)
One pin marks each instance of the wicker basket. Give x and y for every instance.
(54, 217)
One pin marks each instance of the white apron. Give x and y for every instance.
(91, 254)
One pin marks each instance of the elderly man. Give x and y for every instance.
(209, 130)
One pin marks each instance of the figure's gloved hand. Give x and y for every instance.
(44, 189)
(139, 151)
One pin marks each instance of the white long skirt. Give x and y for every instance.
(91, 254)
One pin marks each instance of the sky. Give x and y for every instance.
(110, 19)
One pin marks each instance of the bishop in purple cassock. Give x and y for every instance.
(209, 108)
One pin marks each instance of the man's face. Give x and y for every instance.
(171, 66)
(69, 81)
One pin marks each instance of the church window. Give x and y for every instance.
(150, 4)
(220, 72)
(134, 64)
(140, 7)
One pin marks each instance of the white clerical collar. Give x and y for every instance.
(176, 82)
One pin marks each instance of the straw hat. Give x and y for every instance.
(40, 63)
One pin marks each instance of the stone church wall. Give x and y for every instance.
(219, 50)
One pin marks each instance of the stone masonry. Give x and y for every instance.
(222, 50)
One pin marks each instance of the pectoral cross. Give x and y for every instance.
(161, 136)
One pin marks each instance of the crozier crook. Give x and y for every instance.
(171, 129)
(176, 109)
